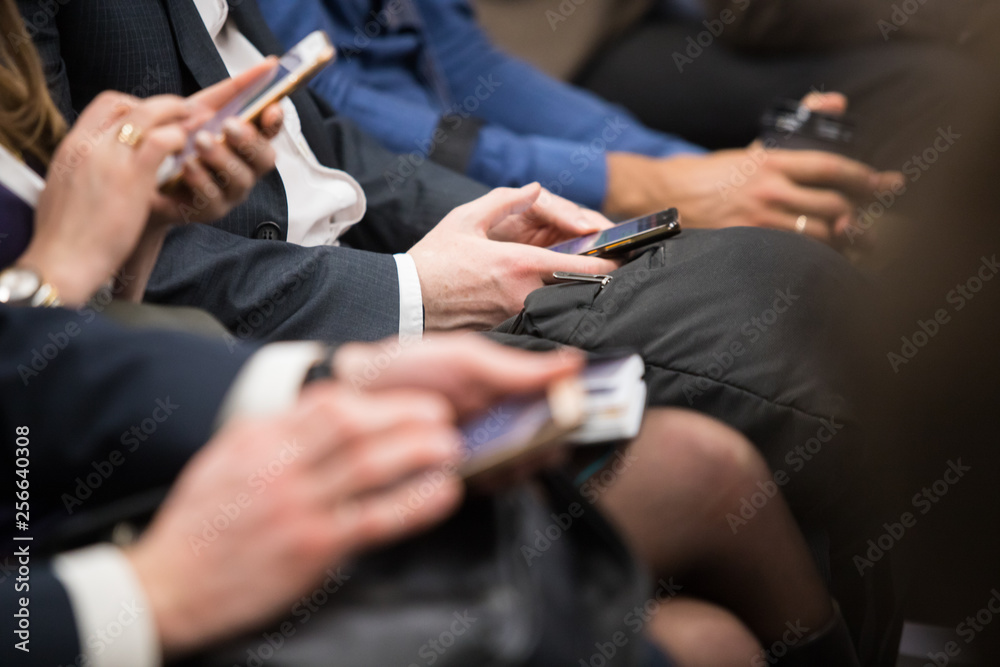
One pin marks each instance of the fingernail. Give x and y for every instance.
(233, 128)
(204, 140)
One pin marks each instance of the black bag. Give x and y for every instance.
(532, 576)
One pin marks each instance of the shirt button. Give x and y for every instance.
(267, 231)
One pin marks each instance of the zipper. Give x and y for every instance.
(567, 276)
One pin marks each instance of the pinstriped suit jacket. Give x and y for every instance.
(260, 289)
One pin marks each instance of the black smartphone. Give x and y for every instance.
(624, 237)
(791, 126)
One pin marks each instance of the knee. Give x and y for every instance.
(713, 460)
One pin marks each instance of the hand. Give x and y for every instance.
(225, 171)
(97, 197)
(303, 492)
(219, 179)
(478, 264)
(754, 187)
(470, 371)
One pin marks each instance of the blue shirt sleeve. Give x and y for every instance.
(538, 129)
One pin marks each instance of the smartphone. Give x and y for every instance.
(302, 62)
(520, 427)
(624, 237)
(789, 125)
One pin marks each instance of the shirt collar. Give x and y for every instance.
(214, 14)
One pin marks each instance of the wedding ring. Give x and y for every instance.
(130, 135)
(800, 224)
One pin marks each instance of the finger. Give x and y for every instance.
(403, 510)
(329, 414)
(502, 203)
(789, 222)
(827, 170)
(834, 104)
(217, 96)
(229, 171)
(548, 262)
(597, 220)
(565, 215)
(827, 205)
(271, 121)
(372, 463)
(158, 144)
(159, 110)
(208, 196)
(890, 181)
(107, 108)
(251, 146)
(473, 371)
(504, 371)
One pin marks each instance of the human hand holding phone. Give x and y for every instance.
(476, 375)
(225, 155)
(218, 174)
(478, 265)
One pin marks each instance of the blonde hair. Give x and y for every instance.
(30, 122)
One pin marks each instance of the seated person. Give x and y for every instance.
(361, 450)
(737, 323)
(421, 76)
(474, 271)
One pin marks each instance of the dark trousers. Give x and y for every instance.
(715, 95)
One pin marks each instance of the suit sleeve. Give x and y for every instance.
(110, 412)
(53, 637)
(272, 290)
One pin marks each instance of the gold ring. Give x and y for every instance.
(130, 135)
(800, 224)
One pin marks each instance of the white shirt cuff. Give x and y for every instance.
(411, 301)
(271, 380)
(113, 619)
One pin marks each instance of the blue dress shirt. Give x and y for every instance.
(403, 64)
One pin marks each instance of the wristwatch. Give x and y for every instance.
(25, 287)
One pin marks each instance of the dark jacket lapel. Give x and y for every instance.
(246, 14)
(194, 43)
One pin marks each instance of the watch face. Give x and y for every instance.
(18, 285)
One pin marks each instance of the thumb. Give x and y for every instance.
(548, 262)
(834, 104)
(501, 203)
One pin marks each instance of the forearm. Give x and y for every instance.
(138, 268)
(264, 290)
(635, 186)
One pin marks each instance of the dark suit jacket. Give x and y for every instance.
(111, 413)
(258, 288)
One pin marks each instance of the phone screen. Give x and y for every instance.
(618, 233)
(508, 425)
(292, 69)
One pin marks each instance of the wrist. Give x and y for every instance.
(176, 626)
(629, 185)
(139, 267)
(348, 362)
(421, 267)
(74, 277)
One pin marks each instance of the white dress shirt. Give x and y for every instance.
(323, 203)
